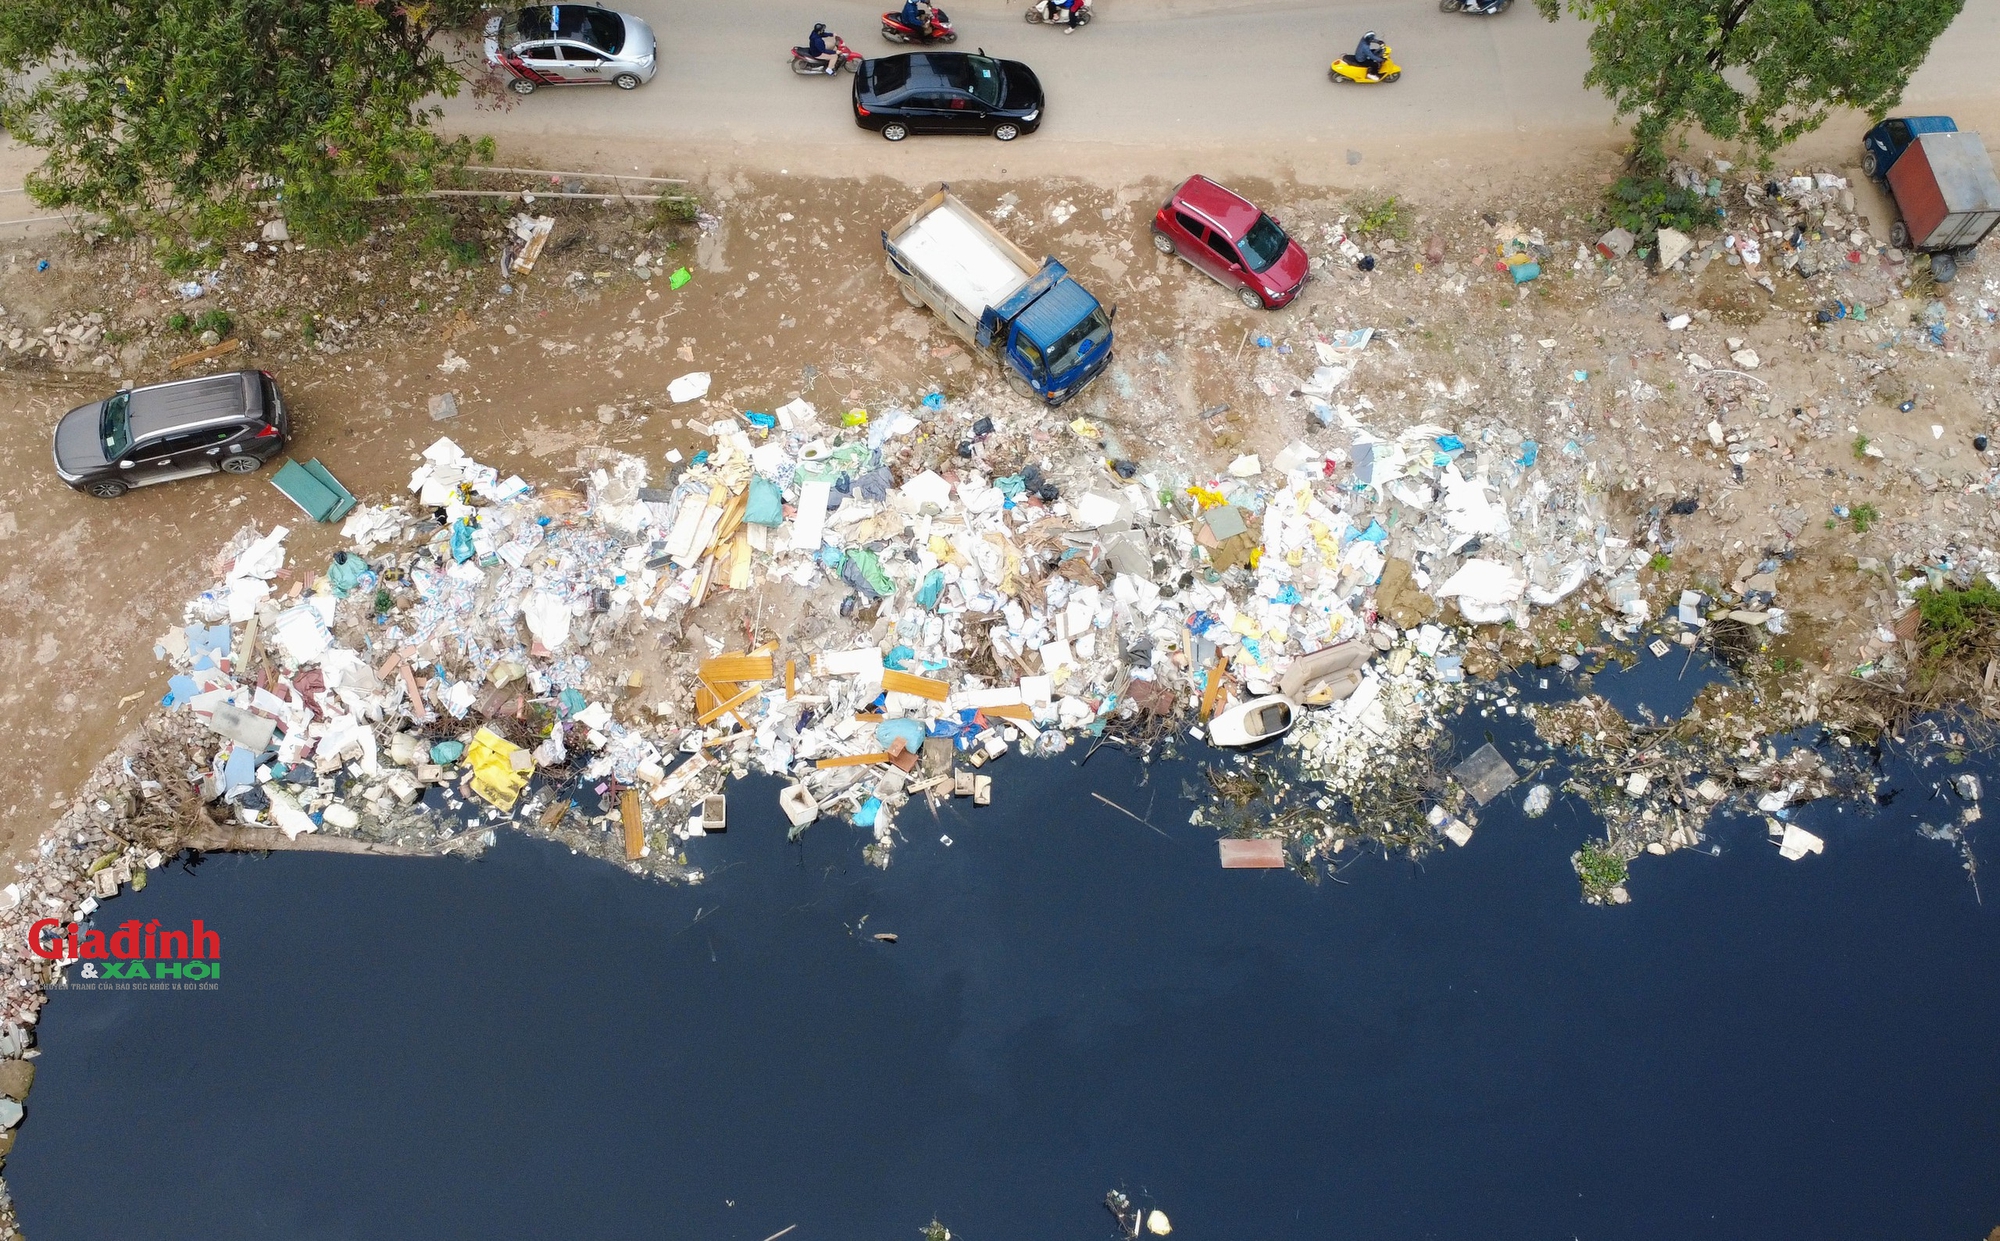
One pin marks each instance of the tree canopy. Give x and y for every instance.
(179, 113)
(1670, 62)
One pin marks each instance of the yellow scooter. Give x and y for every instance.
(1347, 69)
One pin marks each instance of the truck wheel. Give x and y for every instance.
(1943, 267)
(1007, 132)
(1899, 235)
(910, 297)
(1870, 166)
(1163, 243)
(895, 131)
(521, 86)
(1021, 386)
(110, 489)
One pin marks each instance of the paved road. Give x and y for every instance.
(1236, 82)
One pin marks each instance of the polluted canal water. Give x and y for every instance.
(533, 1044)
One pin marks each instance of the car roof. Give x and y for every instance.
(187, 403)
(1226, 209)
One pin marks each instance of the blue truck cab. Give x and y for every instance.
(1053, 332)
(1885, 143)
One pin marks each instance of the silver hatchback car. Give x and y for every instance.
(571, 45)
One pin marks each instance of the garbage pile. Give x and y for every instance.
(963, 584)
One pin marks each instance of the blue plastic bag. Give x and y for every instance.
(928, 592)
(461, 541)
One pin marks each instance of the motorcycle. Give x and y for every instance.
(1348, 69)
(1484, 8)
(936, 30)
(806, 64)
(1047, 12)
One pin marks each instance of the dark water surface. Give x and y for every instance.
(534, 1045)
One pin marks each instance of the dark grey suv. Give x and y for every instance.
(233, 422)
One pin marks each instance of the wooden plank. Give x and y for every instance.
(732, 518)
(705, 699)
(922, 687)
(735, 668)
(203, 355)
(853, 760)
(1214, 690)
(739, 561)
(1252, 854)
(397, 663)
(791, 679)
(1011, 711)
(635, 829)
(701, 581)
(726, 707)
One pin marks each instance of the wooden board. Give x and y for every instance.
(635, 830)
(1011, 711)
(203, 355)
(725, 707)
(791, 679)
(1252, 854)
(735, 668)
(922, 687)
(1214, 690)
(853, 760)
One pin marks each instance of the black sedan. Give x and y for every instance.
(947, 93)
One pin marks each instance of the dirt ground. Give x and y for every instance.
(788, 297)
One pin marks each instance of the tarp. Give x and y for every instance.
(494, 779)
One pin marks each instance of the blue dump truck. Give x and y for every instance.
(1047, 331)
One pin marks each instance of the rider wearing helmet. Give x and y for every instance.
(825, 47)
(1371, 54)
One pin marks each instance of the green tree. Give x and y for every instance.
(177, 114)
(1668, 62)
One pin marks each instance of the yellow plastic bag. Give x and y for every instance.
(495, 778)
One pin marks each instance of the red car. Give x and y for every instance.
(1225, 235)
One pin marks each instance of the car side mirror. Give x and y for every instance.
(1114, 314)
(124, 465)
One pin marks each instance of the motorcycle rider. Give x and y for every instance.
(1371, 54)
(919, 16)
(825, 47)
(1052, 8)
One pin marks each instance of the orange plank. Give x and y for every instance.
(853, 760)
(922, 687)
(1011, 711)
(635, 832)
(721, 709)
(1214, 690)
(735, 668)
(790, 679)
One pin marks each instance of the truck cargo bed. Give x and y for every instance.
(952, 248)
(1945, 187)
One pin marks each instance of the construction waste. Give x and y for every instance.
(962, 604)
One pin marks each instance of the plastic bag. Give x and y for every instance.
(932, 587)
(767, 506)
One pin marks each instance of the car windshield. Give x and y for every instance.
(1264, 245)
(983, 79)
(601, 28)
(114, 426)
(1083, 340)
